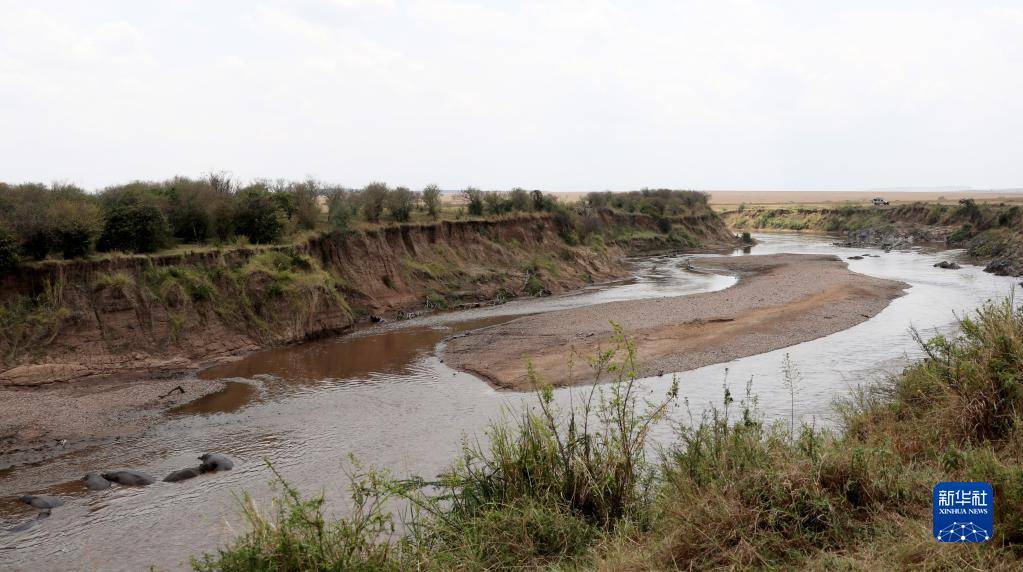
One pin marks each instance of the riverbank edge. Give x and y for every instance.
(86, 412)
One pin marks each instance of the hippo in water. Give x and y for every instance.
(213, 462)
(95, 482)
(129, 478)
(29, 523)
(183, 474)
(41, 502)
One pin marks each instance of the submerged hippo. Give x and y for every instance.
(30, 523)
(183, 475)
(129, 478)
(95, 482)
(42, 501)
(213, 462)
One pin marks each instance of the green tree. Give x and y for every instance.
(75, 219)
(306, 209)
(191, 209)
(340, 210)
(258, 216)
(400, 202)
(431, 200)
(518, 200)
(134, 223)
(495, 202)
(373, 198)
(473, 200)
(9, 257)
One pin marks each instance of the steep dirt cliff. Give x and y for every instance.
(161, 314)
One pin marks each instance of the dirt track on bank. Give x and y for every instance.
(780, 300)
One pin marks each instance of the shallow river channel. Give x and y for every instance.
(383, 395)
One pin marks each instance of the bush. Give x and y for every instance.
(474, 201)
(373, 198)
(400, 202)
(961, 234)
(258, 216)
(519, 201)
(134, 223)
(305, 208)
(495, 203)
(196, 211)
(9, 248)
(297, 537)
(76, 221)
(341, 210)
(431, 200)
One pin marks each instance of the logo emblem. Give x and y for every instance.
(963, 512)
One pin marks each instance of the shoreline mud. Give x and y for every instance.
(780, 300)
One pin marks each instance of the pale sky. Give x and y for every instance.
(558, 95)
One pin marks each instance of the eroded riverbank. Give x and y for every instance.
(410, 413)
(780, 300)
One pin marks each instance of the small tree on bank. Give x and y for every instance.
(341, 209)
(134, 223)
(258, 215)
(431, 200)
(400, 202)
(474, 201)
(373, 198)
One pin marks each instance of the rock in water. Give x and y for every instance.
(213, 462)
(95, 482)
(43, 501)
(183, 475)
(129, 478)
(947, 265)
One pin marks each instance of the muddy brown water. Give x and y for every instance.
(385, 396)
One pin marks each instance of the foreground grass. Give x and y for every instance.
(574, 488)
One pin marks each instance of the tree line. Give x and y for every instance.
(37, 220)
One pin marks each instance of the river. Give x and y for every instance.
(385, 396)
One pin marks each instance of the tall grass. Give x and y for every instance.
(572, 487)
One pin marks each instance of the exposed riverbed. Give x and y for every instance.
(385, 396)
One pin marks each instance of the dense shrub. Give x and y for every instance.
(75, 228)
(473, 201)
(519, 201)
(134, 223)
(258, 216)
(400, 203)
(653, 202)
(494, 202)
(193, 209)
(341, 209)
(305, 211)
(431, 200)
(373, 198)
(9, 249)
(542, 202)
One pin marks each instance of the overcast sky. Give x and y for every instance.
(555, 95)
